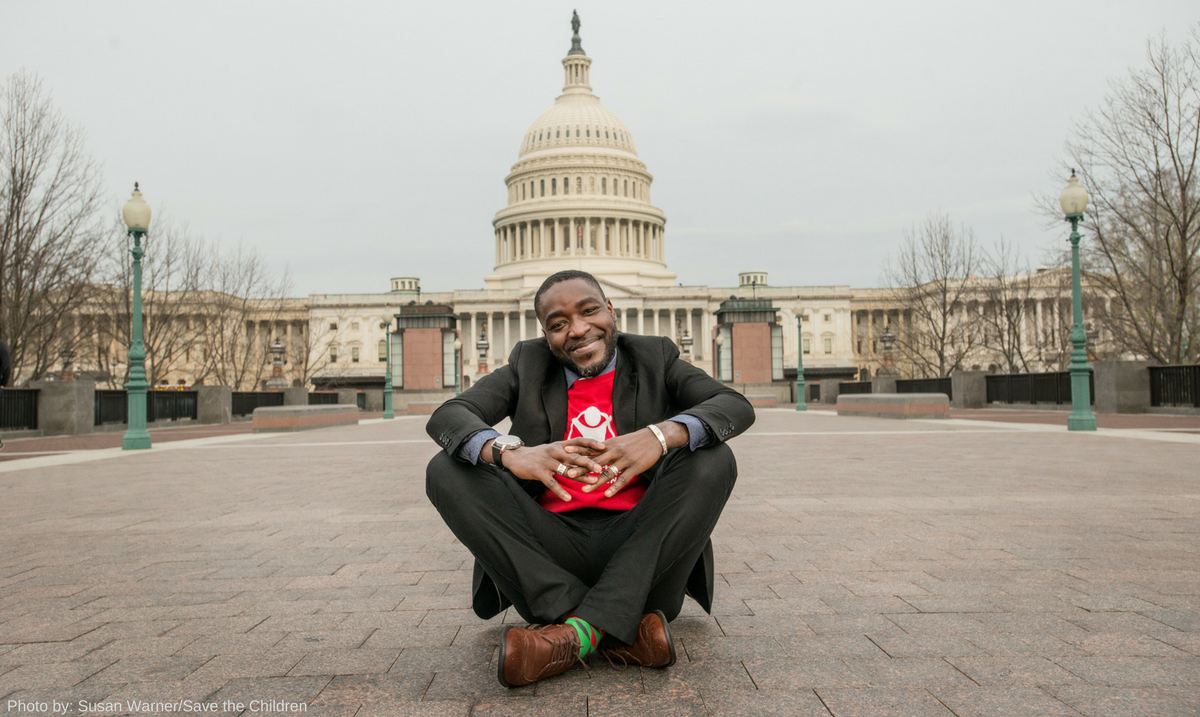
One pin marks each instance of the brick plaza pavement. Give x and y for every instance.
(866, 567)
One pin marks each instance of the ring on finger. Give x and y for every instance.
(561, 470)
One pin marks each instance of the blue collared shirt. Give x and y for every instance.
(697, 433)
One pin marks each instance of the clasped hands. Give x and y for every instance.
(594, 463)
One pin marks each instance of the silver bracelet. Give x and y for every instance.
(659, 435)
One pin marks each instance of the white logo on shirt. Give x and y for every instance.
(592, 423)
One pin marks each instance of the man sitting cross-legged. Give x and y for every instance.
(592, 518)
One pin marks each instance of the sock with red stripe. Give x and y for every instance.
(589, 637)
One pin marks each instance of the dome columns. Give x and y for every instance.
(599, 236)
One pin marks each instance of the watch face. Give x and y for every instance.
(507, 443)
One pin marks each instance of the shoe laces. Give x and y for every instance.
(561, 649)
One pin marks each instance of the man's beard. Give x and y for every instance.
(596, 368)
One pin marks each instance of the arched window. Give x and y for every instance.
(606, 134)
(553, 187)
(579, 185)
(539, 136)
(543, 187)
(566, 185)
(382, 349)
(603, 186)
(532, 192)
(557, 133)
(588, 131)
(576, 131)
(627, 187)
(522, 190)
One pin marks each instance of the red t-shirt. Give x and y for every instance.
(590, 415)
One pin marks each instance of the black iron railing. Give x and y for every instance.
(111, 406)
(854, 387)
(925, 385)
(322, 398)
(244, 402)
(170, 405)
(1175, 386)
(1034, 388)
(18, 409)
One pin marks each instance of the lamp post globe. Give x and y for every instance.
(388, 412)
(720, 342)
(801, 402)
(1074, 200)
(136, 214)
(457, 367)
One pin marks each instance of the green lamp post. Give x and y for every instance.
(720, 342)
(801, 404)
(388, 413)
(136, 214)
(1074, 200)
(457, 367)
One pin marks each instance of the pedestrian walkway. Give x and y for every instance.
(866, 567)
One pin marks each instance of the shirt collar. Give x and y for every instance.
(572, 377)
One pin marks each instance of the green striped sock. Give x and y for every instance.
(589, 637)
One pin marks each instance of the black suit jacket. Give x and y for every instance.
(652, 384)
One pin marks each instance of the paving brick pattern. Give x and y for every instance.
(866, 567)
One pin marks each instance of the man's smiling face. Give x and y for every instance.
(580, 326)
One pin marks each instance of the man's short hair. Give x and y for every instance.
(560, 277)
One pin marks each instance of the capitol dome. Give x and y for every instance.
(579, 197)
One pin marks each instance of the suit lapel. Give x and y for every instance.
(554, 402)
(625, 385)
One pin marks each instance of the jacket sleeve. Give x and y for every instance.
(723, 411)
(488, 402)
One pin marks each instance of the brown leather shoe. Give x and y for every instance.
(653, 647)
(531, 654)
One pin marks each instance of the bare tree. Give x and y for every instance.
(1137, 154)
(240, 296)
(1009, 313)
(172, 270)
(49, 196)
(929, 279)
(312, 347)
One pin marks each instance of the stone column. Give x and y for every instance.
(520, 324)
(507, 343)
(641, 321)
(657, 330)
(623, 314)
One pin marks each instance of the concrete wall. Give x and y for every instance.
(883, 384)
(830, 388)
(782, 391)
(969, 389)
(295, 396)
(347, 396)
(214, 404)
(65, 408)
(374, 402)
(1122, 386)
(401, 398)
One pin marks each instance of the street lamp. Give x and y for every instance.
(720, 343)
(482, 347)
(277, 382)
(801, 403)
(136, 214)
(1073, 200)
(457, 367)
(388, 413)
(888, 364)
(686, 343)
(68, 357)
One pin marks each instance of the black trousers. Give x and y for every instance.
(610, 567)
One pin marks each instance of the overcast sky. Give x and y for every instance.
(356, 141)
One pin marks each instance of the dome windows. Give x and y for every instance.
(603, 185)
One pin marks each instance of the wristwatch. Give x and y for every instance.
(502, 444)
